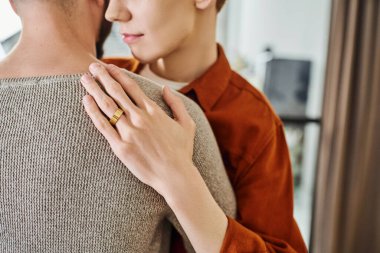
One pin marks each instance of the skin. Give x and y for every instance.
(178, 42)
(179, 39)
(62, 37)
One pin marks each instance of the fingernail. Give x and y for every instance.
(111, 66)
(95, 66)
(86, 78)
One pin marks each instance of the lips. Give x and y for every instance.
(130, 38)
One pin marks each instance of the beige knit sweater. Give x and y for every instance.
(62, 189)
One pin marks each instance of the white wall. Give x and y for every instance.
(293, 28)
(114, 45)
(9, 21)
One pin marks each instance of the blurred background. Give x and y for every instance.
(318, 63)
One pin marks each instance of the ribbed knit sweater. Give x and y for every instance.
(62, 189)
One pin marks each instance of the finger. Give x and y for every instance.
(113, 88)
(100, 122)
(176, 105)
(130, 86)
(104, 102)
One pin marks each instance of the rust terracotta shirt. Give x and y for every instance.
(252, 142)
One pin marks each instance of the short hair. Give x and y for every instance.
(220, 4)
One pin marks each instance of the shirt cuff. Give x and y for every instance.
(239, 239)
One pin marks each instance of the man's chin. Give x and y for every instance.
(144, 58)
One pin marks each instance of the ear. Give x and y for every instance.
(13, 6)
(202, 4)
(99, 3)
(97, 9)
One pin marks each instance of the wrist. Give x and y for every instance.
(182, 186)
(204, 222)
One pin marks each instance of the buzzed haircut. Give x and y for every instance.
(219, 4)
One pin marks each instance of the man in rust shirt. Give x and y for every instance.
(174, 43)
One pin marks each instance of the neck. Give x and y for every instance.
(193, 58)
(49, 46)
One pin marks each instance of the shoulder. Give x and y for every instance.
(254, 102)
(244, 116)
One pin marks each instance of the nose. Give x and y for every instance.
(118, 11)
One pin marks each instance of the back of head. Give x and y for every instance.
(70, 30)
(67, 7)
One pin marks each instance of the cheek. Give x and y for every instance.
(161, 40)
(166, 26)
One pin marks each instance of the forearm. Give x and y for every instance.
(203, 221)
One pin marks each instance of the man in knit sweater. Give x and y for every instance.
(62, 189)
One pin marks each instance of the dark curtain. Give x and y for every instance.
(347, 204)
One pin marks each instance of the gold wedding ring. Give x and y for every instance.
(116, 116)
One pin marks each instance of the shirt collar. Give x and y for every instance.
(210, 86)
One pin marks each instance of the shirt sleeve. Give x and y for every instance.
(264, 192)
